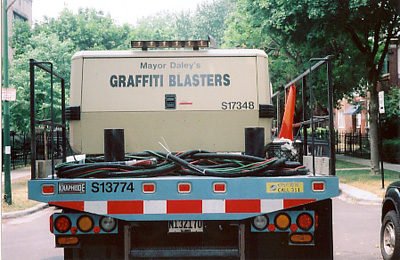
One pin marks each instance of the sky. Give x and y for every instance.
(122, 11)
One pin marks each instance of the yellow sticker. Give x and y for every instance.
(285, 187)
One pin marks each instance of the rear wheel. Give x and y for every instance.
(390, 236)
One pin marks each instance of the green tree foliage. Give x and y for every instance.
(208, 19)
(284, 30)
(356, 32)
(41, 47)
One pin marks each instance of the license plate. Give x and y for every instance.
(185, 226)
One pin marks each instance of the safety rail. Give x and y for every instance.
(50, 122)
(312, 120)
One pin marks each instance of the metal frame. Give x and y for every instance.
(34, 122)
(303, 77)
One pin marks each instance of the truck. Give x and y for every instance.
(174, 161)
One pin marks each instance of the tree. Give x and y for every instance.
(358, 31)
(89, 29)
(41, 47)
(371, 25)
(209, 19)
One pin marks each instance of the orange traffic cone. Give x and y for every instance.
(287, 122)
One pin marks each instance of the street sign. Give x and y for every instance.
(381, 97)
(8, 94)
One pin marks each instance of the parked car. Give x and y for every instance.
(390, 228)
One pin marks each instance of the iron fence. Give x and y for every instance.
(21, 147)
(355, 144)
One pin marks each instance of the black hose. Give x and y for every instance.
(193, 162)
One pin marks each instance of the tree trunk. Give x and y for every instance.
(373, 131)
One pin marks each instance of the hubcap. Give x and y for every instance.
(389, 238)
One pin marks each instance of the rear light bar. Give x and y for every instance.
(78, 224)
(285, 221)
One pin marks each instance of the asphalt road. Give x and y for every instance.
(356, 234)
(29, 238)
(356, 229)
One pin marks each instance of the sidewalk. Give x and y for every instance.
(358, 194)
(366, 162)
(18, 174)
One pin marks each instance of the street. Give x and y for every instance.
(356, 229)
(29, 238)
(356, 234)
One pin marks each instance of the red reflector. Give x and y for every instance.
(318, 186)
(271, 227)
(219, 187)
(96, 229)
(149, 187)
(293, 227)
(48, 189)
(305, 221)
(184, 187)
(74, 230)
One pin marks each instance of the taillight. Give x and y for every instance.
(85, 223)
(318, 186)
(48, 189)
(305, 221)
(184, 187)
(219, 187)
(260, 222)
(107, 224)
(62, 224)
(282, 221)
(149, 188)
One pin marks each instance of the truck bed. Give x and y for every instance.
(183, 198)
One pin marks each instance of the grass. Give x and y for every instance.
(347, 165)
(20, 201)
(363, 179)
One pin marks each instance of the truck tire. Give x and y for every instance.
(390, 236)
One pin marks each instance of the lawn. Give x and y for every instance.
(20, 201)
(362, 178)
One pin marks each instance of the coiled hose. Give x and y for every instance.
(194, 162)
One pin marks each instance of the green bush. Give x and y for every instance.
(391, 150)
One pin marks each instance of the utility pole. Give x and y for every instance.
(6, 112)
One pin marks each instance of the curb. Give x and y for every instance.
(359, 194)
(25, 212)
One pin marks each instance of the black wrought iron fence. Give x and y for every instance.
(353, 144)
(21, 147)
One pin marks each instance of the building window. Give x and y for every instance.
(17, 16)
(340, 118)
